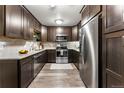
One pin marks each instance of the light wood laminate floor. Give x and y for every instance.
(58, 76)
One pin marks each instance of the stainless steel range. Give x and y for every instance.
(61, 49)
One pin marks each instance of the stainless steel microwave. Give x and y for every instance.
(61, 37)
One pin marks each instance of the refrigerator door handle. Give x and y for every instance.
(83, 48)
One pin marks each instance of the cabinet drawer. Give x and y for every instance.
(25, 60)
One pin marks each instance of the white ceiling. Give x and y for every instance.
(47, 15)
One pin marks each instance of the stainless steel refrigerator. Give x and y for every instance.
(89, 45)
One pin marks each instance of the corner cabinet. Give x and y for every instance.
(1, 20)
(13, 21)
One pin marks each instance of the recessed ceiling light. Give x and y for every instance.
(52, 6)
(59, 21)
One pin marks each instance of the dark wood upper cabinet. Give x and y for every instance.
(75, 33)
(51, 34)
(64, 30)
(94, 10)
(85, 15)
(53, 31)
(19, 22)
(1, 20)
(31, 27)
(88, 12)
(37, 25)
(14, 21)
(114, 17)
(27, 25)
(44, 34)
(68, 32)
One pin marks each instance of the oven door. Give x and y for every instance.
(62, 56)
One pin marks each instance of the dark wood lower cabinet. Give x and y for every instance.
(26, 72)
(76, 59)
(39, 61)
(70, 56)
(51, 55)
(19, 73)
(8, 74)
(73, 57)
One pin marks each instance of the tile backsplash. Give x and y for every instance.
(73, 45)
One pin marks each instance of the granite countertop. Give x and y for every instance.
(18, 56)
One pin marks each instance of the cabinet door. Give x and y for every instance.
(70, 56)
(27, 25)
(51, 56)
(31, 29)
(94, 10)
(114, 60)
(44, 57)
(76, 58)
(74, 33)
(44, 34)
(26, 72)
(114, 17)
(85, 15)
(37, 25)
(8, 74)
(1, 20)
(68, 31)
(64, 30)
(51, 34)
(14, 21)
